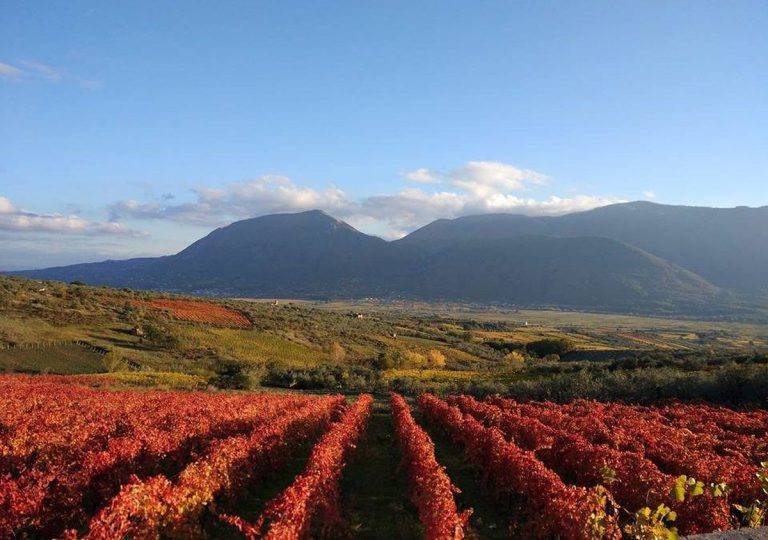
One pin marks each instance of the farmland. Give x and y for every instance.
(80, 459)
(134, 414)
(196, 311)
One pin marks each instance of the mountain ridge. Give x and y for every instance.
(502, 258)
(727, 246)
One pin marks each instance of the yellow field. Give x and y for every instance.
(420, 345)
(251, 346)
(534, 333)
(155, 379)
(438, 375)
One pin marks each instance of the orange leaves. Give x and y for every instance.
(431, 488)
(642, 449)
(556, 509)
(197, 311)
(157, 464)
(224, 469)
(67, 447)
(311, 501)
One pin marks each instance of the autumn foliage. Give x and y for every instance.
(555, 509)
(78, 461)
(431, 489)
(67, 449)
(311, 502)
(197, 311)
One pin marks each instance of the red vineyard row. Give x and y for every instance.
(431, 488)
(196, 311)
(82, 462)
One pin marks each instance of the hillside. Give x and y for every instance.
(309, 254)
(313, 255)
(726, 246)
(150, 338)
(638, 257)
(560, 271)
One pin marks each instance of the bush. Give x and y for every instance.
(514, 357)
(231, 375)
(543, 347)
(390, 359)
(323, 377)
(730, 385)
(113, 361)
(435, 359)
(412, 359)
(337, 352)
(161, 336)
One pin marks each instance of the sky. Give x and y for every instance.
(134, 128)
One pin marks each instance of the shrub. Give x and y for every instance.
(435, 359)
(413, 359)
(231, 376)
(514, 357)
(390, 359)
(543, 347)
(322, 377)
(113, 361)
(161, 336)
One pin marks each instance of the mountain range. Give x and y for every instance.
(639, 257)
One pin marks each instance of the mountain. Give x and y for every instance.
(726, 246)
(312, 255)
(572, 272)
(309, 254)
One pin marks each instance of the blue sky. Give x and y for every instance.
(133, 128)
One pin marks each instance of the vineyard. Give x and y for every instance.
(79, 461)
(197, 311)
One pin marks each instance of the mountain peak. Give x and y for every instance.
(312, 221)
(631, 254)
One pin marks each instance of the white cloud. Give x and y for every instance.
(423, 176)
(649, 194)
(20, 220)
(412, 208)
(279, 194)
(5, 206)
(10, 72)
(486, 178)
(479, 187)
(481, 178)
(215, 206)
(43, 70)
(29, 70)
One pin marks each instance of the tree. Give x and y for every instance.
(414, 359)
(514, 357)
(543, 347)
(435, 359)
(391, 358)
(230, 375)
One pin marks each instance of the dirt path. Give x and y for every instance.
(488, 520)
(375, 489)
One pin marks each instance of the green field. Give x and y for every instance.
(378, 346)
(59, 359)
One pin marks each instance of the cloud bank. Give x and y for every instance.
(26, 70)
(477, 187)
(34, 239)
(20, 220)
(9, 72)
